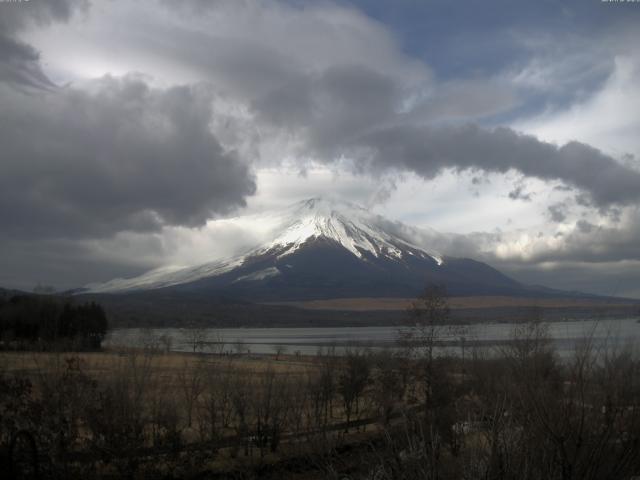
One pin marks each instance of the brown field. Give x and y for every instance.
(167, 365)
(251, 397)
(142, 413)
(479, 302)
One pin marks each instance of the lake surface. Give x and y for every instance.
(308, 341)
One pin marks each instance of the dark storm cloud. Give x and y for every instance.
(427, 151)
(347, 100)
(117, 155)
(519, 193)
(17, 15)
(63, 263)
(584, 226)
(20, 64)
(588, 242)
(328, 109)
(19, 61)
(334, 84)
(357, 112)
(557, 212)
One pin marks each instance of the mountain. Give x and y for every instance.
(319, 249)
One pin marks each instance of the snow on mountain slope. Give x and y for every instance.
(165, 277)
(352, 227)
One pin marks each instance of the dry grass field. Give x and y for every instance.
(181, 414)
(167, 365)
(479, 302)
(148, 414)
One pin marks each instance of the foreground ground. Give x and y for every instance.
(147, 414)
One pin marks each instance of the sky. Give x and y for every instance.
(132, 134)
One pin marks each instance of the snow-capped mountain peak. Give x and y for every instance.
(350, 226)
(354, 228)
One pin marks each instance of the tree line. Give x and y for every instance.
(26, 320)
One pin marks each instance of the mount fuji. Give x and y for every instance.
(323, 249)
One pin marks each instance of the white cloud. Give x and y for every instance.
(608, 119)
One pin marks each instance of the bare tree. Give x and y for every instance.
(352, 381)
(239, 346)
(279, 350)
(428, 316)
(298, 404)
(195, 337)
(117, 420)
(388, 385)
(150, 341)
(216, 404)
(269, 412)
(240, 399)
(217, 343)
(166, 342)
(429, 320)
(321, 385)
(191, 379)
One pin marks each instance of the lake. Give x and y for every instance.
(307, 341)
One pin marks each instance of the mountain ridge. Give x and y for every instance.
(322, 249)
(349, 225)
